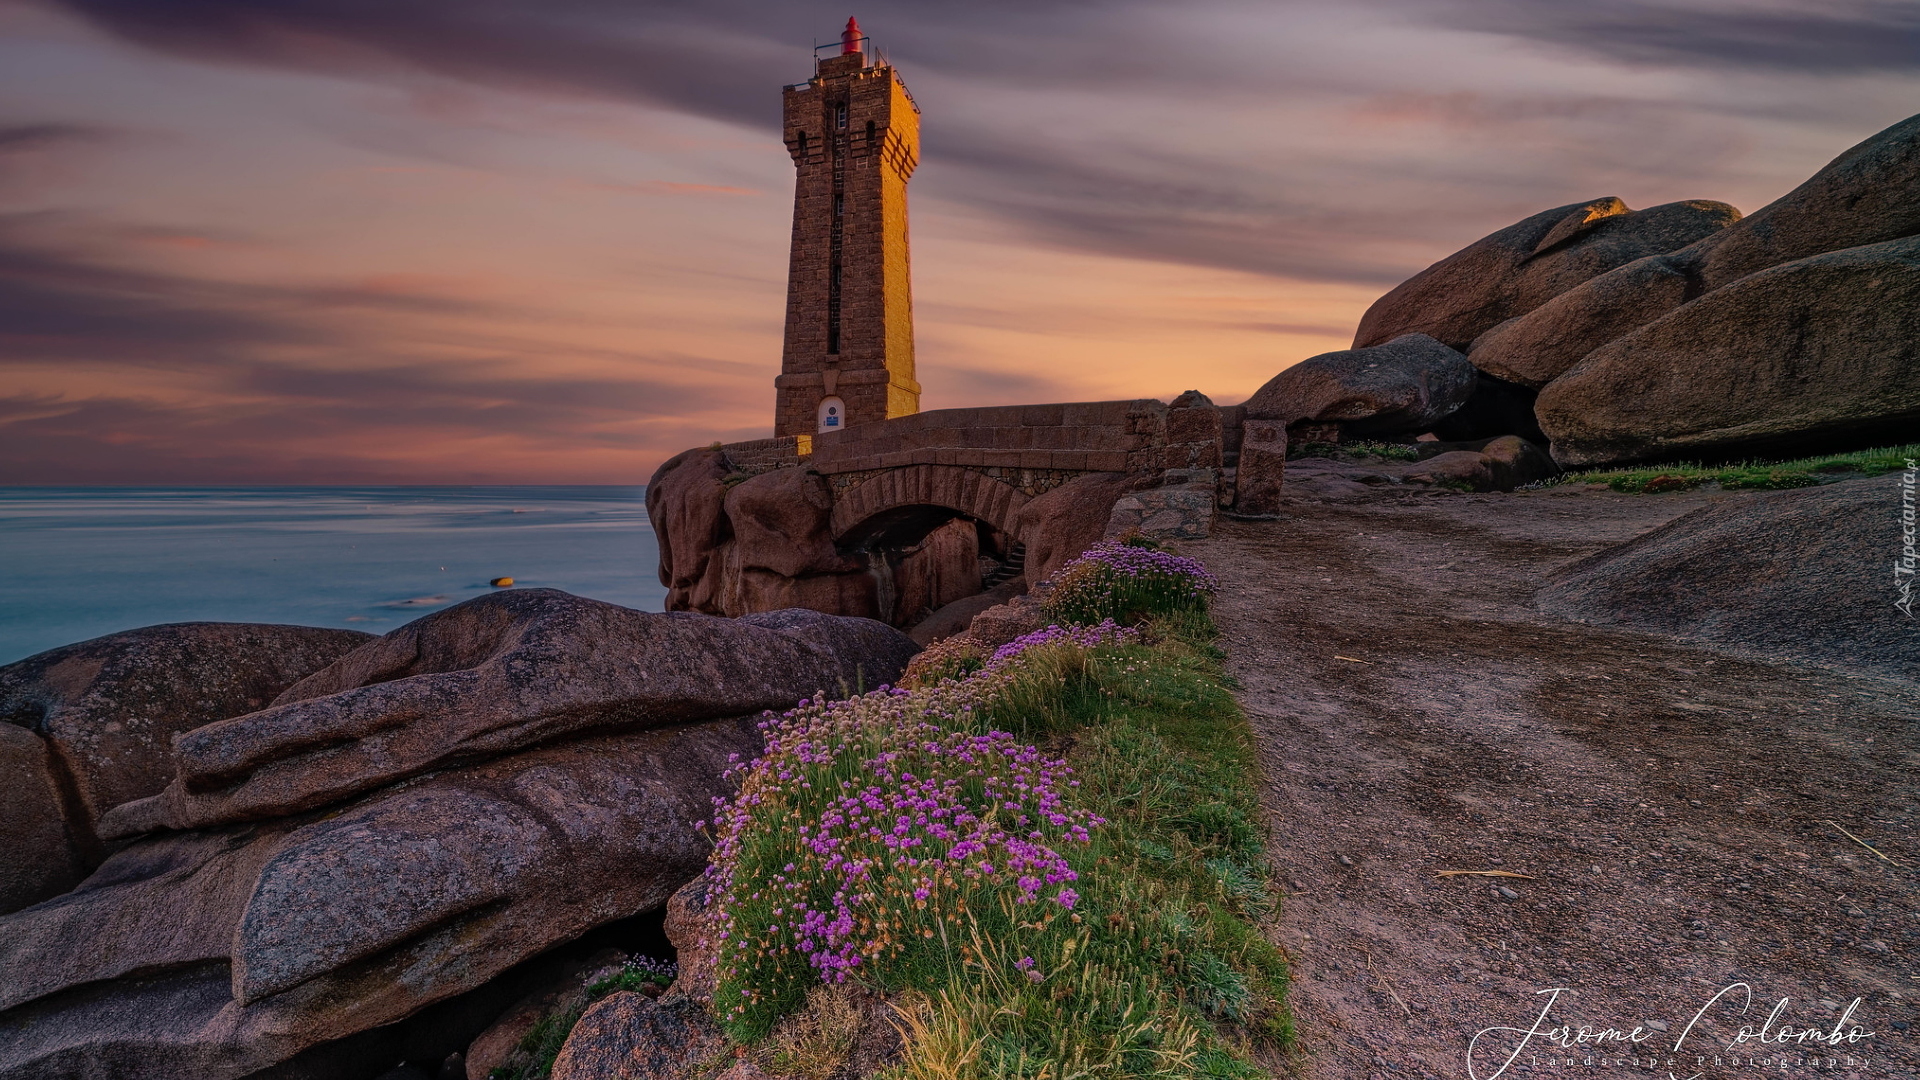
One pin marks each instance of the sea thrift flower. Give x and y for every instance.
(870, 822)
(1119, 581)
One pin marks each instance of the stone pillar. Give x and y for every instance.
(1263, 466)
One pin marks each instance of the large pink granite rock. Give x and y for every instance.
(494, 675)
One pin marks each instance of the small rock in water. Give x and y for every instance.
(501, 582)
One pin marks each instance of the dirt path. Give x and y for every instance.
(1669, 803)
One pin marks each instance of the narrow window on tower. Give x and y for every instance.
(803, 146)
(839, 206)
(840, 116)
(869, 136)
(833, 310)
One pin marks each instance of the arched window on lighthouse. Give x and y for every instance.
(833, 414)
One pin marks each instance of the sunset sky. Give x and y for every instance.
(517, 241)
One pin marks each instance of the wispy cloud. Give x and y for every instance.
(328, 238)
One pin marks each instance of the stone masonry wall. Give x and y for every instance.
(850, 205)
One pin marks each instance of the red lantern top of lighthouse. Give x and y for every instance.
(851, 37)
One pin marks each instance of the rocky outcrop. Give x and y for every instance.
(1822, 353)
(779, 525)
(956, 617)
(1536, 348)
(1866, 201)
(91, 726)
(1515, 462)
(628, 1035)
(567, 992)
(686, 501)
(1500, 465)
(1515, 270)
(497, 674)
(1803, 575)
(1868, 195)
(401, 829)
(42, 859)
(1405, 385)
(942, 568)
(221, 952)
(1060, 524)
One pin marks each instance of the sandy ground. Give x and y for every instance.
(1670, 806)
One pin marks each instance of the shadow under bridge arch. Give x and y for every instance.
(900, 506)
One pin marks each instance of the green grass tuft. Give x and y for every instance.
(1163, 967)
(1746, 476)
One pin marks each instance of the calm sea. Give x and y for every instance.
(76, 563)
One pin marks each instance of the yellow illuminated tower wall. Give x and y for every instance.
(854, 135)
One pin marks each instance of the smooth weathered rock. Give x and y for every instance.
(1498, 465)
(686, 928)
(1320, 479)
(218, 953)
(779, 522)
(1807, 575)
(1538, 347)
(1515, 270)
(1260, 479)
(956, 617)
(629, 1037)
(171, 902)
(1001, 624)
(1464, 469)
(779, 552)
(856, 594)
(686, 501)
(39, 859)
(1405, 385)
(109, 708)
(1515, 462)
(1060, 524)
(498, 674)
(942, 568)
(1868, 195)
(1820, 354)
(563, 992)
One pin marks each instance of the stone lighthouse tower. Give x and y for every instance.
(854, 134)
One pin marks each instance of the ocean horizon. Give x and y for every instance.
(81, 562)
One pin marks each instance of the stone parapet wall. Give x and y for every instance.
(1098, 436)
(763, 455)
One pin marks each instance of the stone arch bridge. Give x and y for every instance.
(897, 518)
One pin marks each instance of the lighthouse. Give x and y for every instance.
(853, 132)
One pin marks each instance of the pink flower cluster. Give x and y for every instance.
(1146, 562)
(1107, 632)
(875, 820)
(1112, 580)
